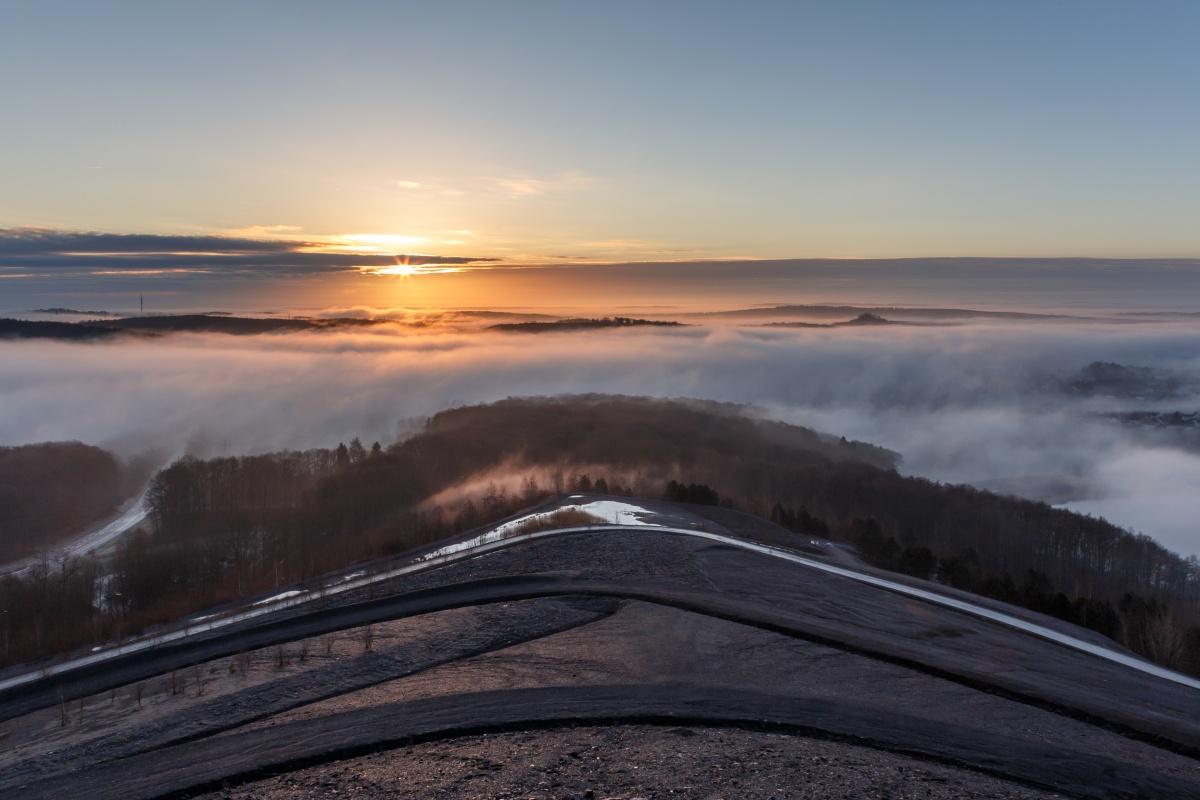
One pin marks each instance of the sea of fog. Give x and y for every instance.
(993, 403)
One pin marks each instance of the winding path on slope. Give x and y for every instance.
(1057, 686)
(499, 538)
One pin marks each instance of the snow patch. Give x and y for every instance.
(606, 511)
(278, 597)
(620, 513)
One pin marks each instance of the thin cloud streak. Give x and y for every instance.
(529, 187)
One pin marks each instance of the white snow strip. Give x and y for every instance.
(620, 513)
(280, 596)
(610, 511)
(495, 540)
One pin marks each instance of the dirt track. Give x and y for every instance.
(621, 761)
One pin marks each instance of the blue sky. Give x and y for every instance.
(617, 131)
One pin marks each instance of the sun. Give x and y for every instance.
(406, 270)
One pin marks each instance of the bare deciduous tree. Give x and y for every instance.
(368, 638)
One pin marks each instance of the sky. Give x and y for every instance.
(648, 158)
(505, 137)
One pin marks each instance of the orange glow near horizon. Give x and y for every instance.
(400, 269)
(406, 269)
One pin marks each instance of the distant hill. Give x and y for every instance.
(36, 329)
(822, 313)
(579, 324)
(217, 322)
(1106, 379)
(865, 319)
(73, 311)
(238, 326)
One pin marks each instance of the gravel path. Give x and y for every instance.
(627, 762)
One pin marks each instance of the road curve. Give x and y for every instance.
(498, 539)
(1053, 690)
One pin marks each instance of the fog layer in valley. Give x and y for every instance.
(998, 404)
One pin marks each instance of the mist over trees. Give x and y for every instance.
(226, 528)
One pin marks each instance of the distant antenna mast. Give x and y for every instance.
(141, 303)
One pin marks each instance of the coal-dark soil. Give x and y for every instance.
(626, 761)
(621, 663)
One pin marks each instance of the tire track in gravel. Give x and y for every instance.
(490, 628)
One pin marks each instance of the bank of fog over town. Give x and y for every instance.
(1088, 411)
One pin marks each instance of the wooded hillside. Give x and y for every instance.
(225, 528)
(52, 489)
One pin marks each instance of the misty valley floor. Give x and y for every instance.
(617, 664)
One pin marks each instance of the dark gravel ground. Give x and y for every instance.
(635, 761)
(228, 700)
(644, 642)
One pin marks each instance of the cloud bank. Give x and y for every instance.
(979, 403)
(66, 250)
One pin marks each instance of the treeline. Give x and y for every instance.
(194, 497)
(166, 324)
(226, 528)
(48, 329)
(52, 489)
(190, 561)
(1082, 556)
(575, 324)
(695, 493)
(1161, 630)
(51, 608)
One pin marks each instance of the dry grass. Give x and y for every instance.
(563, 518)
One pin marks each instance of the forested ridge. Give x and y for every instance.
(581, 324)
(167, 323)
(229, 527)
